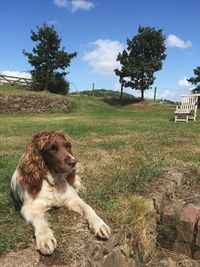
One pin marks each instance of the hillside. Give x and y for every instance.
(19, 99)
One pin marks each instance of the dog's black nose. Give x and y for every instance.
(72, 164)
(71, 161)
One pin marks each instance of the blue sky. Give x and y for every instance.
(97, 30)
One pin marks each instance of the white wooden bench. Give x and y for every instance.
(187, 109)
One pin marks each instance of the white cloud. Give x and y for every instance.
(102, 59)
(74, 5)
(166, 94)
(174, 41)
(16, 74)
(61, 3)
(81, 4)
(184, 82)
(52, 22)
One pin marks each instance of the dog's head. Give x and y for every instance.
(48, 152)
(56, 151)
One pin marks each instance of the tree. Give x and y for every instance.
(122, 72)
(47, 57)
(143, 57)
(195, 80)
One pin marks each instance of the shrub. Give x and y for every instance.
(58, 84)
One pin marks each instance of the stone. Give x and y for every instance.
(170, 189)
(158, 201)
(24, 258)
(114, 240)
(97, 253)
(183, 248)
(115, 259)
(132, 263)
(196, 254)
(183, 219)
(35, 103)
(188, 219)
(166, 262)
(92, 263)
(177, 178)
(198, 234)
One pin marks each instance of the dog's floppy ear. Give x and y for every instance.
(32, 167)
(71, 177)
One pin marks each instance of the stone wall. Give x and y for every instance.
(32, 103)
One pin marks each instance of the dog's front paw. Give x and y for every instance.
(46, 242)
(101, 229)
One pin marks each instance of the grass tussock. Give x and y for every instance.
(137, 214)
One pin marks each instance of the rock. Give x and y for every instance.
(198, 234)
(158, 201)
(23, 258)
(188, 219)
(115, 259)
(33, 103)
(183, 248)
(170, 189)
(178, 178)
(114, 240)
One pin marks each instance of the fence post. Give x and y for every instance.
(93, 89)
(155, 91)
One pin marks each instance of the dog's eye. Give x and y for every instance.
(67, 145)
(54, 148)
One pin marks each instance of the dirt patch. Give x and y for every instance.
(32, 103)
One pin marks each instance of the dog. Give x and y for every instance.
(45, 178)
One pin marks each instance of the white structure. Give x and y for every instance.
(187, 109)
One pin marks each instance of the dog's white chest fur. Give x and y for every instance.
(53, 196)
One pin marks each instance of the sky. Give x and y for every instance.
(98, 30)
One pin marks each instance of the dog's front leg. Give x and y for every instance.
(96, 224)
(45, 240)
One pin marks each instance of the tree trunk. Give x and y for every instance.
(155, 91)
(46, 85)
(121, 95)
(142, 95)
(46, 80)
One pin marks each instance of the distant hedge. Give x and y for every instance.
(104, 93)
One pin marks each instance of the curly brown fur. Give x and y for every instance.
(32, 168)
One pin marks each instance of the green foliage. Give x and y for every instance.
(103, 93)
(47, 57)
(196, 80)
(143, 57)
(58, 84)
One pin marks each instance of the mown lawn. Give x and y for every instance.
(123, 149)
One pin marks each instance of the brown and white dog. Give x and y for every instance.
(46, 178)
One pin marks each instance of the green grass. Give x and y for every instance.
(123, 149)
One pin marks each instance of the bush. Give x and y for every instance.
(58, 84)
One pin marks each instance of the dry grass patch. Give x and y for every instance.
(136, 215)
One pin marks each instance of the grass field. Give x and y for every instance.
(123, 150)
